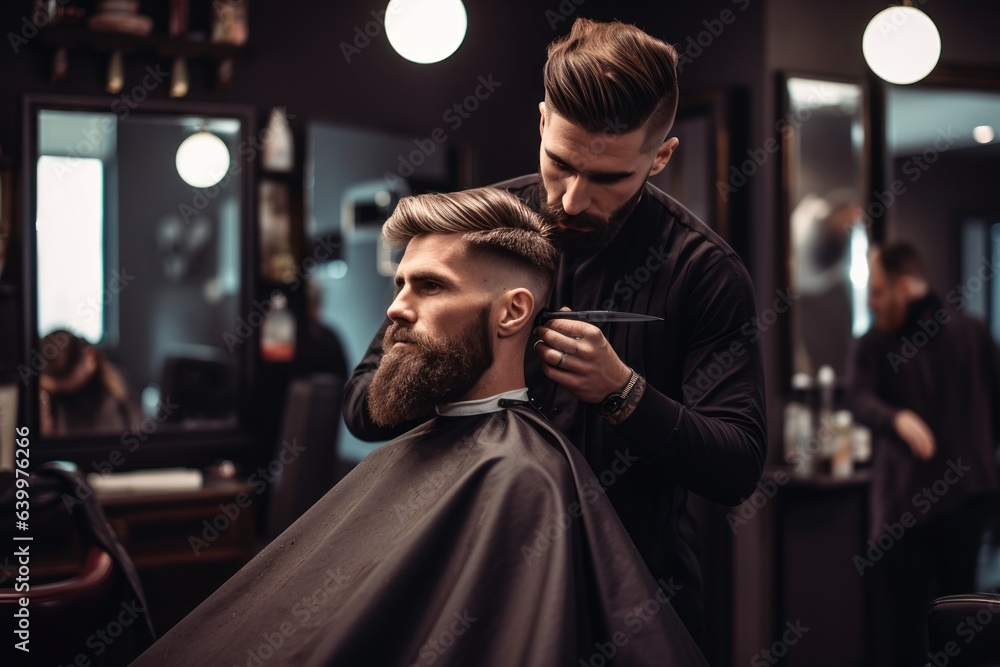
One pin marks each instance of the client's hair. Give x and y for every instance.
(489, 220)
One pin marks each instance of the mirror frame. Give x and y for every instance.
(173, 447)
(786, 139)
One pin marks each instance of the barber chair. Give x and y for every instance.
(84, 594)
(312, 422)
(964, 630)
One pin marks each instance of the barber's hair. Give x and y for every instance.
(901, 258)
(64, 351)
(489, 220)
(613, 76)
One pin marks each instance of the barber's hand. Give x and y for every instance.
(579, 357)
(916, 433)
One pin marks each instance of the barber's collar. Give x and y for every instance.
(482, 405)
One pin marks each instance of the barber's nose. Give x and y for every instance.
(576, 199)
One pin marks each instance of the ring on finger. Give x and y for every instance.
(562, 358)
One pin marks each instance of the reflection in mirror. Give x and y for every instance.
(137, 271)
(943, 154)
(354, 178)
(828, 239)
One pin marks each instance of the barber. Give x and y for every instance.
(658, 409)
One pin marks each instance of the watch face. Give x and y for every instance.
(612, 404)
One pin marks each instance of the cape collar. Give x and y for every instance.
(482, 405)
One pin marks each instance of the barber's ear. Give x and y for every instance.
(541, 121)
(663, 155)
(516, 305)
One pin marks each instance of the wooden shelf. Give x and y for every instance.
(76, 36)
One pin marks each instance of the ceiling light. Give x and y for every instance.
(425, 31)
(984, 134)
(202, 159)
(901, 45)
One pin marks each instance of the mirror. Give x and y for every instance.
(823, 204)
(140, 267)
(942, 150)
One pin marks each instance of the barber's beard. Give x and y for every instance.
(585, 234)
(412, 379)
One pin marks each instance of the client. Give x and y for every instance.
(481, 537)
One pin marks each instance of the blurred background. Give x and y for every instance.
(196, 190)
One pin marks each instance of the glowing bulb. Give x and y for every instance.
(901, 45)
(425, 31)
(202, 159)
(984, 134)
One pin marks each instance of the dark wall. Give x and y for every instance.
(960, 185)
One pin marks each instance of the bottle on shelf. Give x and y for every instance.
(798, 421)
(277, 336)
(826, 380)
(841, 459)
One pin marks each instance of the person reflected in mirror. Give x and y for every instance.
(926, 380)
(322, 350)
(80, 390)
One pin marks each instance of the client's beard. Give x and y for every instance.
(412, 380)
(585, 234)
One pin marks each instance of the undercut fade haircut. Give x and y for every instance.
(901, 258)
(489, 220)
(613, 76)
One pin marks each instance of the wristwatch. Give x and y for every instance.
(615, 401)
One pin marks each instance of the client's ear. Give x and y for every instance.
(516, 305)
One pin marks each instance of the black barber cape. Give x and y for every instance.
(477, 540)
